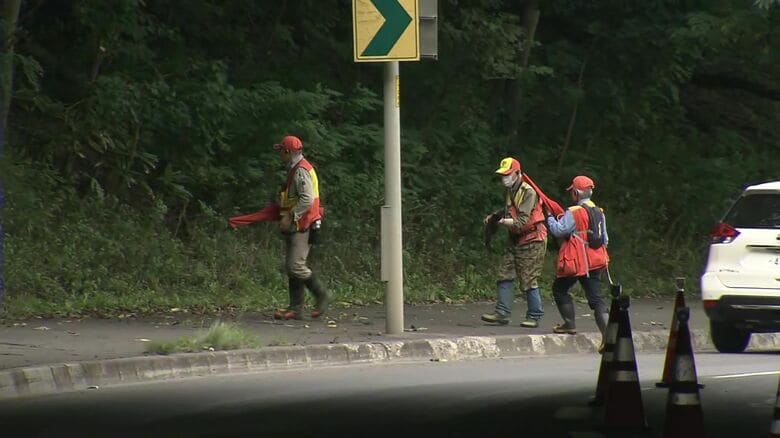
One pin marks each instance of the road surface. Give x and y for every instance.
(535, 396)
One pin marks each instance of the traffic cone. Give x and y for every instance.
(679, 303)
(684, 417)
(610, 337)
(774, 430)
(623, 403)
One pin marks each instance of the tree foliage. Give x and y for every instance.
(171, 106)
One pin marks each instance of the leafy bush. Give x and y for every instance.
(136, 130)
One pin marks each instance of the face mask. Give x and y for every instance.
(508, 180)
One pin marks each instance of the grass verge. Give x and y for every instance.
(68, 255)
(220, 336)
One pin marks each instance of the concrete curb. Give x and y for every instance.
(45, 379)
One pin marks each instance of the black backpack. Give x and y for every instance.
(595, 225)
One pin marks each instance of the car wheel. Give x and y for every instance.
(727, 338)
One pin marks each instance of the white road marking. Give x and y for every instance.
(735, 376)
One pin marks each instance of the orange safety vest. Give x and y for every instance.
(533, 230)
(287, 202)
(576, 258)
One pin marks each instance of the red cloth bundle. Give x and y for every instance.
(553, 207)
(269, 213)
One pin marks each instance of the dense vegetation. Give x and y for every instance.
(138, 126)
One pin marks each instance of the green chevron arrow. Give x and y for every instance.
(396, 22)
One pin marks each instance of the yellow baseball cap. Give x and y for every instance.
(508, 165)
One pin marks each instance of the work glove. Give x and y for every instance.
(285, 222)
(491, 227)
(546, 211)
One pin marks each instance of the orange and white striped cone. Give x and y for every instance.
(610, 337)
(623, 407)
(774, 430)
(679, 303)
(684, 417)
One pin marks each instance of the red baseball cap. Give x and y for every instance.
(581, 183)
(289, 143)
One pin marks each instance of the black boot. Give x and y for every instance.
(321, 294)
(566, 310)
(602, 319)
(296, 293)
(293, 311)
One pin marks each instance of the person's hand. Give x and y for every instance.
(285, 222)
(546, 211)
(487, 219)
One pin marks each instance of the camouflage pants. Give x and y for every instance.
(523, 263)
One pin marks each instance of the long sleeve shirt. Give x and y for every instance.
(524, 200)
(523, 197)
(565, 226)
(302, 187)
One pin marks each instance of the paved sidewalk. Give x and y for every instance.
(41, 356)
(43, 341)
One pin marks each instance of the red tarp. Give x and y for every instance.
(553, 207)
(269, 213)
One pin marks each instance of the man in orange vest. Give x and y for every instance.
(582, 257)
(300, 220)
(523, 217)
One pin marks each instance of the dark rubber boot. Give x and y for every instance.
(295, 289)
(601, 321)
(324, 298)
(566, 310)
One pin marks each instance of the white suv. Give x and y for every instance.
(740, 286)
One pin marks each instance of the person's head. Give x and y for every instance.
(509, 169)
(289, 148)
(581, 187)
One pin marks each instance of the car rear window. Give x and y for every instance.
(761, 210)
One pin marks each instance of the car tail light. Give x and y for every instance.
(710, 304)
(723, 233)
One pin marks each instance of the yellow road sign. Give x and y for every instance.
(385, 30)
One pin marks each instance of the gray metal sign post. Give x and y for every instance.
(392, 257)
(389, 31)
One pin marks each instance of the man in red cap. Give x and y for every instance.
(582, 257)
(523, 217)
(300, 220)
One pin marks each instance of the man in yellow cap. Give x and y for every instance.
(523, 217)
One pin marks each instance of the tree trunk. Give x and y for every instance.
(530, 22)
(9, 17)
(572, 120)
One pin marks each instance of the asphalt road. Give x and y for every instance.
(539, 397)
